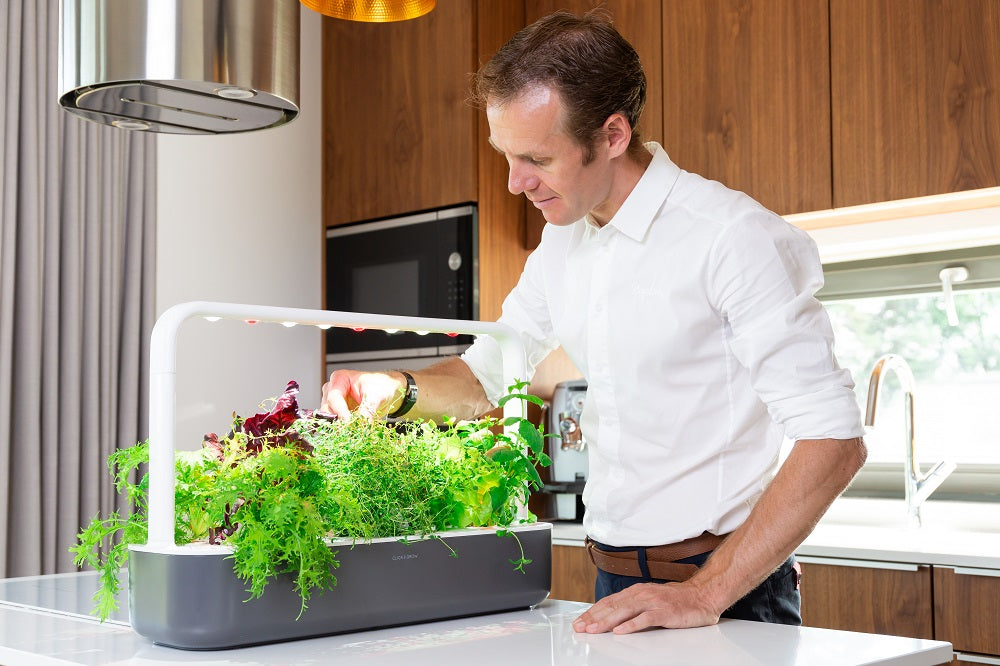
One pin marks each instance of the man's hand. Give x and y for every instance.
(448, 389)
(671, 605)
(368, 394)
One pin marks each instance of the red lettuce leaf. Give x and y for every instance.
(284, 413)
(270, 428)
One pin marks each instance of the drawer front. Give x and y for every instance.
(867, 597)
(966, 608)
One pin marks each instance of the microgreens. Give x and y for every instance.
(285, 482)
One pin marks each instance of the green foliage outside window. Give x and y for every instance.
(956, 370)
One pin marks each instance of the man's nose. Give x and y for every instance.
(520, 180)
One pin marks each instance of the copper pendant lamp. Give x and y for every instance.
(371, 11)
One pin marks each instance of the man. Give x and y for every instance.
(689, 309)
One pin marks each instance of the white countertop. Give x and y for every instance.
(958, 534)
(30, 635)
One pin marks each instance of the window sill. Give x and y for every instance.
(969, 483)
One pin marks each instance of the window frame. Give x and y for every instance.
(911, 274)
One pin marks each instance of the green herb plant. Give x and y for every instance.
(282, 484)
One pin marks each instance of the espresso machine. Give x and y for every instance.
(568, 449)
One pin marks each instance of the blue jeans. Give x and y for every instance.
(775, 600)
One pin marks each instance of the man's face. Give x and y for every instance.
(546, 164)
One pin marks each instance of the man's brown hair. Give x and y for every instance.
(593, 68)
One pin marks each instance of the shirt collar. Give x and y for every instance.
(647, 197)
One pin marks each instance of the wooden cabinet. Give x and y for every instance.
(573, 574)
(871, 597)
(808, 105)
(953, 604)
(746, 97)
(967, 608)
(398, 134)
(916, 97)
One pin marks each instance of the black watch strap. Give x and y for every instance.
(409, 399)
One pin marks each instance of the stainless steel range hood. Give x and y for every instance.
(180, 66)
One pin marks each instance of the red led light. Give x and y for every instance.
(358, 329)
(452, 335)
(251, 321)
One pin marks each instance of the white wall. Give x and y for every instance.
(238, 220)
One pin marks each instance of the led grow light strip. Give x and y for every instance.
(163, 369)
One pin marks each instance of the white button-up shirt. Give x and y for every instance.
(691, 315)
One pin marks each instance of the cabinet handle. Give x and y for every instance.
(972, 571)
(977, 658)
(866, 564)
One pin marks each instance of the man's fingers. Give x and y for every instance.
(645, 605)
(637, 623)
(369, 408)
(334, 402)
(368, 392)
(606, 614)
(334, 392)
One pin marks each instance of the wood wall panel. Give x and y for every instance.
(399, 135)
(916, 97)
(746, 97)
(501, 214)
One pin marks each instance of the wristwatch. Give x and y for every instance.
(409, 399)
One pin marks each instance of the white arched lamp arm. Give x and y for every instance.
(163, 368)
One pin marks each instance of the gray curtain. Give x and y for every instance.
(76, 299)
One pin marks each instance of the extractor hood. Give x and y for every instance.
(180, 66)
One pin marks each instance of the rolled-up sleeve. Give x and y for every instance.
(763, 278)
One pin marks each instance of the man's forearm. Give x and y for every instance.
(813, 475)
(447, 388)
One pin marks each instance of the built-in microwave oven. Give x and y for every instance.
(421, 265)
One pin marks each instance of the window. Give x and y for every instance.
(899, 305)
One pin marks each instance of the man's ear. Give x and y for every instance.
(618, 133)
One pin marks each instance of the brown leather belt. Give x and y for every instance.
(661, 561)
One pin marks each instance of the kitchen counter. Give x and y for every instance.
(957, 534)
(43, 622)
